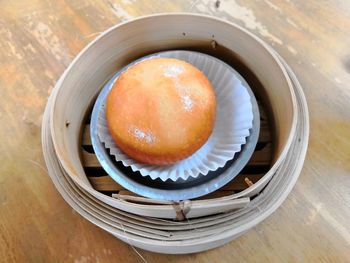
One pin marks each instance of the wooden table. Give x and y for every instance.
(39, 39)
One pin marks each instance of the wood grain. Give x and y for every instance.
(38, 40)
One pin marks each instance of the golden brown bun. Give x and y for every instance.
(161, 110)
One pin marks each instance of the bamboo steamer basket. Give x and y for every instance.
(81, 82)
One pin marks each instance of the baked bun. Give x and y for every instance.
(161, 110)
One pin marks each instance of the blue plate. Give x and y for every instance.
(180, 189)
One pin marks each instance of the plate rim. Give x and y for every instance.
(201, 189)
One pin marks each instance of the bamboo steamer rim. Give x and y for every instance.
(213, 241)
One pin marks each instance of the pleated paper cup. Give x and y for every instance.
(234, 119)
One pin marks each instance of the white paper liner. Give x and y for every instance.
(234, 118)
